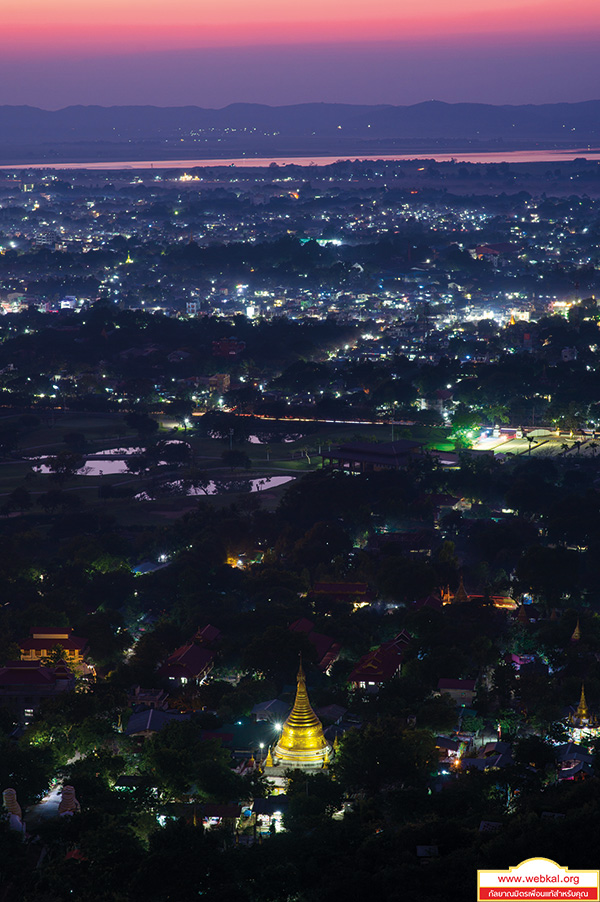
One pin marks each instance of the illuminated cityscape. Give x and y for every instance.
(299, 434)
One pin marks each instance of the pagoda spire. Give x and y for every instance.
(460, 596)
(582, 708)
(302, 743)
(576, 633)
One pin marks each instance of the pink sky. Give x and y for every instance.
(62, 27)
(213, 52)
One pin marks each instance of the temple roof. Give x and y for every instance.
(190, 661)
(41, 639)
(381, 664)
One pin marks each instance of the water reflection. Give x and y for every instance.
(92, 468)
(119, 451)
(225, 486)
(274, 439)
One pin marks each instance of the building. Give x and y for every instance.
(188, 663)
(461, 596)
(301, 743)
(440, 401)
(450, 750)
(460, 691)
(493, 756)
(365, 457)
(193, 661)
(143, 699)
(25, 684)
(41, 642)
(380, 665)
(144, 724)
(574, 762)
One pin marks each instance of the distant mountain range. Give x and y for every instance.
(134, 132)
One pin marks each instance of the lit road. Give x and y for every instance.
(46, 808)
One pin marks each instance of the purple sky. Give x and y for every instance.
(492, 70)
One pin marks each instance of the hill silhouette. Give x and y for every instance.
(132, 132)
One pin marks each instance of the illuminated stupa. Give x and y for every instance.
(302, 743)
(583, 724)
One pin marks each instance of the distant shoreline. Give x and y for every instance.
(499, 156)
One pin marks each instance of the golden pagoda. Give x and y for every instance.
(582, 712)
(583, 724)
(302, 743)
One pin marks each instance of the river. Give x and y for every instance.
(497, 156)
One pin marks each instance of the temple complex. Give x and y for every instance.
(461, 596)
(302, 742)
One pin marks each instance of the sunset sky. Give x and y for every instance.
(214, 52)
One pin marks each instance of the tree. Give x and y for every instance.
(534, 752)
(28, 769)
(382, 754)
(172, 452)
(106, 636)
(56, 654)
(275, 653)
(64, 465)
(184, 764)
(180, 408)
(55, 498)
(196, 480)
(320, 545)
(183, 863)
(77, 721)
(19, 499)
(312, 799)
(144, 425)
(438, 714)
(402, 578)
(548, 572)
(138, 463)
